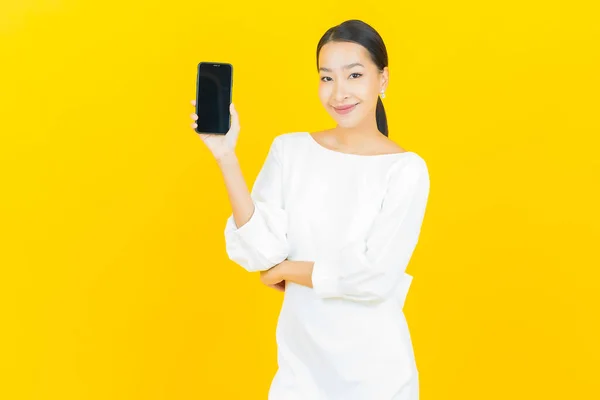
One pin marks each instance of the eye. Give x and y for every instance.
(355, 73)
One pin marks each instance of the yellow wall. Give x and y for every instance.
(115, 283)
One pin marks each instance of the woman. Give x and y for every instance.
(332, 220)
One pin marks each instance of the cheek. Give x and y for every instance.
(324, 93)
(366, 91)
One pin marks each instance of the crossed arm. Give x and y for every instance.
(299, 272)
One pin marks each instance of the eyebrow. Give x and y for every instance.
(356, 64)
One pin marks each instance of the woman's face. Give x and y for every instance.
(348, 77)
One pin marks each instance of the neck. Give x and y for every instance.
(357, 135)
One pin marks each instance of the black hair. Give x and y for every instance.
(359, 32)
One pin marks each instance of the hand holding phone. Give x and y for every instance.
(216, 119)
(221, 145)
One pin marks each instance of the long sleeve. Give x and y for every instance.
(261, 243)
(371, 270)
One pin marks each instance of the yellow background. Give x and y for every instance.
(115, 282)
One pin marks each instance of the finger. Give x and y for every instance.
(235, 122)
(193, 102)
(194, 117)
(194, 126)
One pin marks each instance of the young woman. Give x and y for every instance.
(332, 220)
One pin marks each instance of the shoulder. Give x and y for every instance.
(410, 167)
(387, 145)
(281, 144)
(287, 140)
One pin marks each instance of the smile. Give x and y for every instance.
(345, 110)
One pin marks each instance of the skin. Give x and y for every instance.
(355, 133)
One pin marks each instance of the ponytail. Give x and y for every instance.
(381, 118)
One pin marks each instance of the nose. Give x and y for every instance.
(339, 92)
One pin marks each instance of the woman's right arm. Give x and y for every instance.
(237, 190)
(256, 231)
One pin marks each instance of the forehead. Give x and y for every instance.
(334, 55)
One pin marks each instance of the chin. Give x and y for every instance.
(346, 122)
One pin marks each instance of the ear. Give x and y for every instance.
(384, 79)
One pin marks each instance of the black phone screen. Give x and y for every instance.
(213, 97)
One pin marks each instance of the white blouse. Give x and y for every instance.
(358, 217)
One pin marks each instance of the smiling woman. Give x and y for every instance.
(336, 235)
(353, 65)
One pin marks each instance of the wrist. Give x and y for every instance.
(283, 269)
(299, 272)
(227, 159)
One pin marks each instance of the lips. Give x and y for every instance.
(343, 108)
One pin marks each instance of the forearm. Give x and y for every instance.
(237, 189)
(299, 272)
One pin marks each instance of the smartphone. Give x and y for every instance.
(214, 86)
